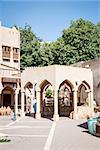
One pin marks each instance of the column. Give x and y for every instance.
(75, 104)
(22, 103)
(89, 98)
(91, 103)
(32, 96)
(0, 53)
(56, 115)
(32, 111)
(0, 98)
(38, 115)
(27, 104)
(1, 88)
(16, 103)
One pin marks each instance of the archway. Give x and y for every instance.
(46, 99)
(65, 98)
(82, 95)
(8, 97)
(28, 95)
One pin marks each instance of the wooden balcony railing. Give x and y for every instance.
(9, 72)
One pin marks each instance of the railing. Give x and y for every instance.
(9, 72)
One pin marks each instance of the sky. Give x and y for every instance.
(49, 17)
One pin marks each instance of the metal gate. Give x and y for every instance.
(64, 107)
(47, 107)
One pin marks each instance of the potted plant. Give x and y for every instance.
(48, 93)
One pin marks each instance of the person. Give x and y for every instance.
(34, 106)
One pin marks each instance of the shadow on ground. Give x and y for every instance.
(83, 125)
(33, 116)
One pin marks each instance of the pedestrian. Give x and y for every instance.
(34, 106)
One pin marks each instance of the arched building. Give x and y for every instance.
(9, 67)
(94, 65)
(71, 91)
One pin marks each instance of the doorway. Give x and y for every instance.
(6, 100)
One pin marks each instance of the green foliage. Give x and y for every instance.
(79, 42)
(48, 93)
(29, 45)
(84, 38)
(4, 140)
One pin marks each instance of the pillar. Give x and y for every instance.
(38, 115)
(0, 98)
(16, 103)
(75, 105)
(89, 98)
(26, 104)
(32, 111)
(22, 103)
(56, 115)
(91, 103)
(0, 51)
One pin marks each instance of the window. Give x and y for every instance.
(15, 54)
(6, 52)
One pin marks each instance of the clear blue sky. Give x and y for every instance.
(47, 19)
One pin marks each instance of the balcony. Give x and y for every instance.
(10, 73)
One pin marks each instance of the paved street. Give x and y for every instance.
(44, 134)
(72, 135)
(5, 120)
(27, 133)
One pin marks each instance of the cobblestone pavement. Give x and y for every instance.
(29, 133)
(72, 135)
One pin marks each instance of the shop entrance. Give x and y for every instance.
(6, 100)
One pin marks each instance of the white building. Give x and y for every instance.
(9, 67)
(72, 89)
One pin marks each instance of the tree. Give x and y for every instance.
(29, 45)
(83, 38)
(79, 42)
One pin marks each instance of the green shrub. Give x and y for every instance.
(48, 93)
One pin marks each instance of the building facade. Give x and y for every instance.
(9, 67)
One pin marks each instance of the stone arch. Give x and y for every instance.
(65, 98)
(86, 85)
(47, 103)
(28, 87)
(7, 97)
(43, 84)
(82, 95)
